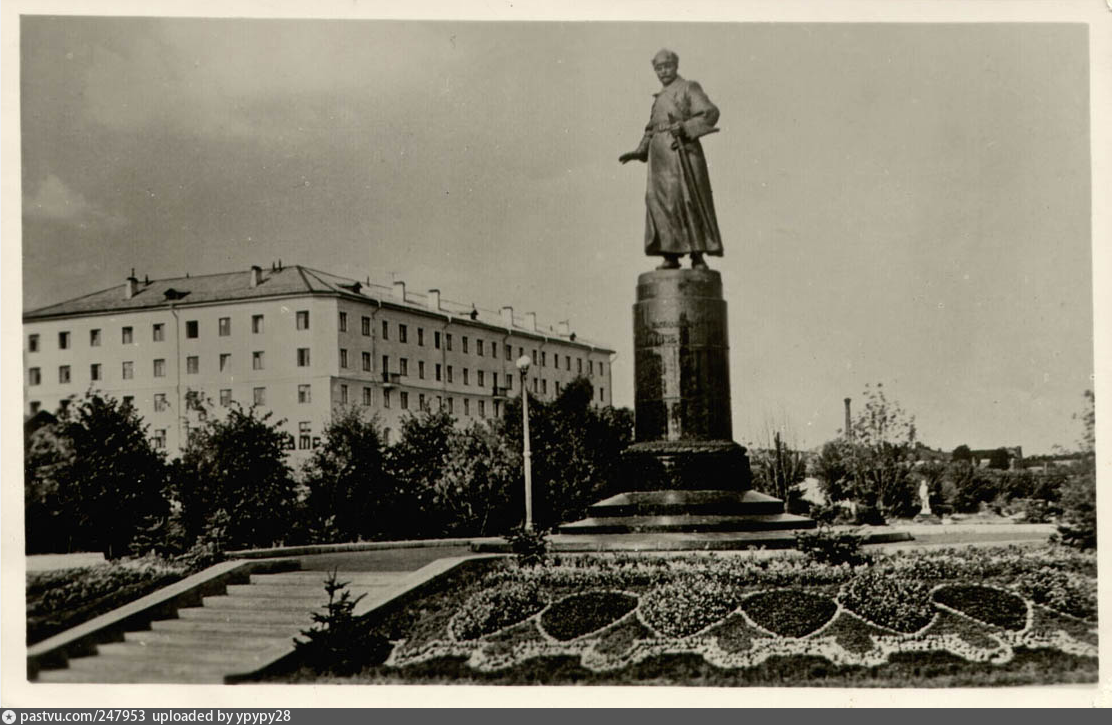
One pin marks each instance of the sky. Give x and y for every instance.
(899, 204)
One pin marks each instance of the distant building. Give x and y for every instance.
(297, 342)
(982, 458)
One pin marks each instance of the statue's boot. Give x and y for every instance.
(697, 261)
(671, 261)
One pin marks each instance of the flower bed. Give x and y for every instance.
(492, 609)
(985, 604)
(789, 612)
(582, 614)
(1066, 592)
(894, 602)
(684, 607)
(64, 598)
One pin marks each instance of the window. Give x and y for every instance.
(385, 366)
(509, 352)
(34, 376)
(256, 324)
(367, 361)
(385, 329)
(224, 326)
(497, 409)
(403, 366)
(129, 401)
(128, 370)
(482, 409)
(450, 374)
(304, 394)
(602, 393)
(403, 333)
(225, 360)
(438, 371)
(466, 381)
(257, 360)
(63, 340)
(591, 363)
(94, 371)
(225, 397)
(421, 369)
(159, 439)
(158, 332)
(520, 351)
(557, 387)
(303, 319)
(451, 406)
(366, 396)
(126, 335)
(304, 435)
(160, 368)
(385, 398)
(343, 322)
(544, 359)
(544, 386)
(536, 385)
(420, 401)
(494, 379)
(420, 337)
(436, 340)
(467, 406)
(32, 343)
(160, 402)
(535, 358)
(493, 348)
(94, 338)
(509, 381)
(465, 344)
(343, 358)
(579, 365)
(448, 341)
(567, 362)
(192, 365)
(259, 396)
(192, 329)
(343, 395)
(480, 382)
(556, 360)
(366, 326)
(479, 347)
(439, 403)
(404, 399)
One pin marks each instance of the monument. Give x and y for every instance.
(689, 474)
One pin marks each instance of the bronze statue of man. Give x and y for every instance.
(679, 209)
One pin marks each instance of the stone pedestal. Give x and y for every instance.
(684, 472)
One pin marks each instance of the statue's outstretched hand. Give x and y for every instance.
(631, 156)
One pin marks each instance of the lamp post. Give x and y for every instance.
(523, 364)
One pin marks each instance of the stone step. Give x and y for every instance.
(317, 578)
(299, 591)
(234, 658)
(222, 629)
(224, 602)
(247, 616)
(682, 502)
(114, 668)
(209, 638)
(686, 523)
(152, 675)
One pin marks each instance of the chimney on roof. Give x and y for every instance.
(256, 275)
(849, 423)
(508, 316)
(434, 299)
(399, 290)
(531, 321)
(563, 327)
(131, 286)
(146, 280)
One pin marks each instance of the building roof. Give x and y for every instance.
(294, 280)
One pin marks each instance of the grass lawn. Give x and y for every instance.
(942, 618)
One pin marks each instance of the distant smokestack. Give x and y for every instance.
(849, 422)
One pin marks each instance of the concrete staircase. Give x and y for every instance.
(241, 631)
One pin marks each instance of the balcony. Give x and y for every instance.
(499, 392)
(389, 380)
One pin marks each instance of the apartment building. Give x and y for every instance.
(298, 342)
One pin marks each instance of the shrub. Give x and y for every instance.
(1073, 594)
(529, 546)
(986, 604)
(868, 516)
(492, 609)
(827, 547)
(1079, 512)
(688, 605)
(338, 642)
(895, 602)
(582, 613)
(789, 612)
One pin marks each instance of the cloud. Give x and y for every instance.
(57, 202)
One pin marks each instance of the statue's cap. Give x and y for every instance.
(665, 54)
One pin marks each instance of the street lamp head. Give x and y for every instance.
(523, 363)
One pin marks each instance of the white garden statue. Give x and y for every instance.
(924, 497)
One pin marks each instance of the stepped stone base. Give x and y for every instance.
(639, 512)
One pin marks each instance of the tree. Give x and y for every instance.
(477, 492)
(238, 464)
(962, 453)
(350, 493)
(1078, 527)
(778, 468)
(999, 459)
(416, 463)
(95, 475)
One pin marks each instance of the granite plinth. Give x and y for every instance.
(687, 465)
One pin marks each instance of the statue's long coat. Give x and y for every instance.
(679, 212)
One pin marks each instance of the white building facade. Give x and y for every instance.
(299, 343)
